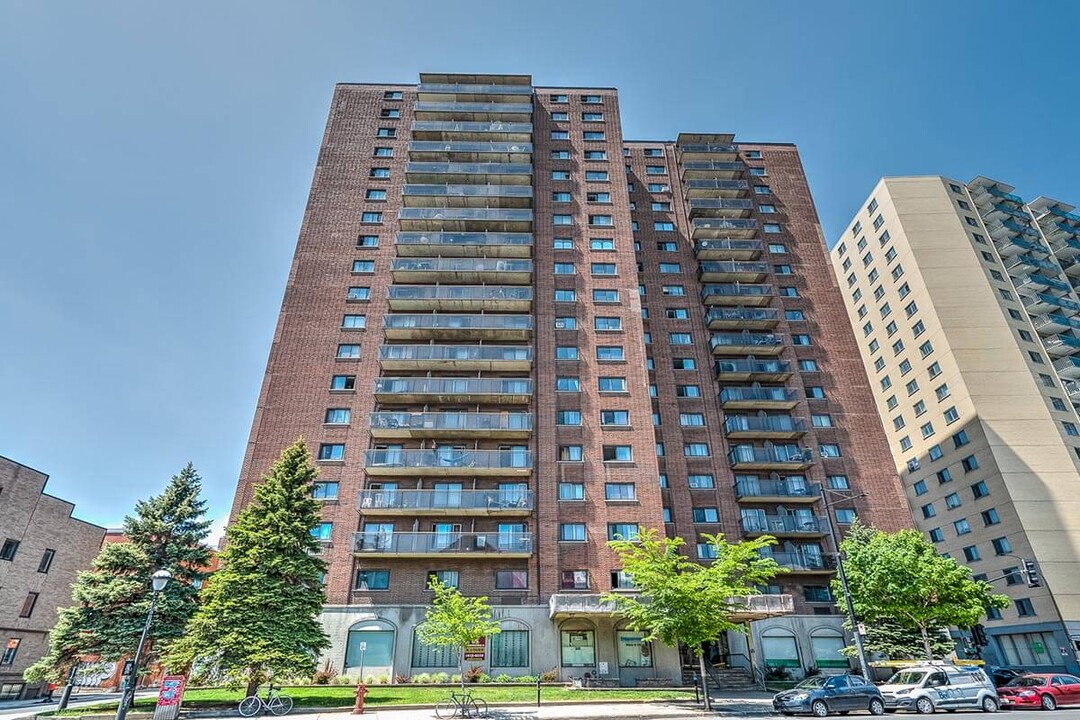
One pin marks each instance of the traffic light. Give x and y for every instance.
(978, 636)
(1033, 579)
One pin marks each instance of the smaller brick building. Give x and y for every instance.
(42, 550)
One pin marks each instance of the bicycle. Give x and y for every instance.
(276, 703)
(464, 705)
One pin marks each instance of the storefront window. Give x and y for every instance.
(510, 648)
(780, 649)
(578, 648)
(826, 646)
(633, 650)
(426, 656)
(1030, 648)
(380, 645)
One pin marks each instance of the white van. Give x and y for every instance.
(927, 687)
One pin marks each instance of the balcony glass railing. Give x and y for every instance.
(467, 146)
(1056, 320)
(449, 499)
(785, 524)
(722, 340)
(737, 290)
(1022, 229)
(474, 108)
(486, 265)
(728, 245)
(466, 127)
(1042, 298)
(1071, 217)
(732, 224)
(459, 292)
(457, 322)
(752, 367)
(449, 458)
(732, 267)
(1009, 210)
(803, 561)
(450, 421)
(459, 239)
(997, 192)
(776, 488)
(436, 543)
(717, 165)
(461, 353)
(1031, 261)
(453, 386)
(451, 191)
(737, 314)
(708, 148)
(449, 168)
(767, 423)
(727, 204)
(1062, 341)
(757, 394)
(717, 185)
(473, 89)
(744, 454)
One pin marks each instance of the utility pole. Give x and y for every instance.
(863, 662)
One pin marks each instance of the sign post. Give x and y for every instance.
(363, 649)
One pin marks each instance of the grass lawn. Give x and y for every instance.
(340, 696)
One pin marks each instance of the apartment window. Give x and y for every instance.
(920, 408)
(560, 154)
(371, 217)
(1070, 429)
(612, 384)
(771, 228)
(925, 349)
(891, 402)
(567, 384)
(990, 517)
(767, 209)
(566, 323)
(952, 501)
(570, 453)
(951, 415)
(789, 292)
(905, 445)
(331, 451)
(659, 187)
(692, 419)
(821, 421)
(511, 580)
(380, 173)
(886, 383)
(618, 418)
(565, 296)
(598, 197)
(373, 580)
(701, 482)
(337, 416)
(782, 269)
(655, 170)
(46, 561)
(1002, 546)
(1024, 608)
(610, 353)
(603, 269)
(928, 510)
(1047, 380)
(980, 490)
(563, 243)
(386, 132)
(618, 453)
(874, 346)
(898, 347)
(962, 527)
(560, 174)
(367, 241)
(596, 175)
(568, 417)
(10, 650)
(560, 134)
(971, 553)
(936, 535)
(572, 532)
(592, 117)
(566, 352)
(384, 152)
(688, 391)
(324, 490)
(392, 95)
(912, 387)
(375, 194)
(677, 313)
(560, 197)
(348, 352)
(845, 516)
(562, 219)
(1058, 403)
(605, 296)
(343, 382)
(934, 369)
(944, 476)
(898, 422)
(622, 531)
(808, 366)
(960, 439)
(601, 221)
(757, 172)
(601, 244)
(680, 338)
(919, 488)
(969, 463)
(829, 450)
(696, 449)
(762, 190)
(706, 515)
(620, 492)
(595, 155)
(794, 315)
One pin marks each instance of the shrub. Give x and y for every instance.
(473, 674)
(324, 676)
(369, 679)
(343, 680)
(401, 679)
(550, 676)
(776, 673)
(503, 678)
(526, 679)
(454, 678)
(439, 678)
(382, 679)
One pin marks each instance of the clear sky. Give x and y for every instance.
(155, 160)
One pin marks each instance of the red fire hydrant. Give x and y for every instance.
(361, 693)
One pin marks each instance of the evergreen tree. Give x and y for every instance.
(111, 599)
(258, 614)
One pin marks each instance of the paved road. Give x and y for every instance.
(11, 709)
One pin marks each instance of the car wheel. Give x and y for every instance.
(924, 706)
(877, 707)
(989, 704)
(819, 708)
(843, 712)
(1048, 702)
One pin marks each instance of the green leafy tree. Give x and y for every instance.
(454, 620)
(166, 531)
(896, 642)
(682, 601)
(900, 578)
(259, 613)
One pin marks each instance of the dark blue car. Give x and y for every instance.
(824, 694)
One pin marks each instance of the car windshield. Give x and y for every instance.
(812, 682)
(907, 677)
(1028, 682)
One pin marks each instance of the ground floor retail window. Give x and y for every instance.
(826, 646)
(426, 656)
(578, 648)
(379, 648)
(1030, 649)
(510, 649)
(633, 650)
(780, 648)
(11, 691)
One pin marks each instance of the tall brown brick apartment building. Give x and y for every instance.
(510, 334)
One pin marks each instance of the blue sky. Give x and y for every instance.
(155, 160)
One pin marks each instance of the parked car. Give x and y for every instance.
(1003, 676)
(824, 694)
(929, 687)
(1045, 690)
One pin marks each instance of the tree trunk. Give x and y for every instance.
(461, 669)
(704, 679)
(926, 642)
(254, 680)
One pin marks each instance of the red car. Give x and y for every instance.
(1040, 690)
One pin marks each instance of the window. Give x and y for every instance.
(801, 339)
(560, 134)
(936, 535)
(605, 296)
(8, 550)
(706, 515)
(375, 194)
(928, 510)
(560, 154)
(593, 135)
(367, 241)
(1070, 429)
(511, 580)
(990, 517)
(373, 580)
(343, 382)
(771, 228)
(655, 170)
(323, 531)
(970, 463)
(622, 531)
(664, 226)
(692, 419)
(560, 197)
(767, 209)
(618, 453)
(952, 501)
(359, 294)
(1024, 608)
(565, 296)
(562, 219)
(610, 353)
(845, 516)
(595, 176)
(762, 190)
(28, 605)
(680, 338)
(363, 266)
(325, 490)
(598, 197)
(567, 384)
(919, 488)
(592, 117)
(571, 491)
(960, 439)
(829, 450)
(757, 172)
(944, 476)
(927, 430)
(620, 491)
(951, 415)
(568, 417)
(603, 269)
(962, 526)
(971, 553)
(595, 155)
(10, 650)
(782, 269)
(980, 490)
(348, 352)
(696, 449)
(560, 175)
(337, 416)
(615, 417)
(1002, 546)
(383, 152)
(601, 220)
(572, 532)
(386, 132)
(371, 217)
(701, 482)
(821, 421)
(789, 292)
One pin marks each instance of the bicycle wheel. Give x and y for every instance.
(250, 706)
(477, 708)
(446, 709)
(281, 705)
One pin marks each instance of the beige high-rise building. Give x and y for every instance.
(964, 299)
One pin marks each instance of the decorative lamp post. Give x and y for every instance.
(158, 581)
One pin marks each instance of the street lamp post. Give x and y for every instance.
(825, 492)
(158, 581)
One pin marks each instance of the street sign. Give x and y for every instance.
(363, 647)
(476, 650)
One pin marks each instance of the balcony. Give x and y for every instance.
(446, 244)
(742, 609)
(447, 462)
(1054, 323)
(458, 327)
(1024, 262)
(473, 92)
(470, 151)
(1072, 389)
(742, 318)
(732, 271)
(463, 270)
(752, 371)
(481, 173)
(1062, 345)
(785, 525)
(451, 424)
(465, 219)
(734, 397)
(454, 358)
(755, 295)
(728, 249)
(1068, 367)
(1030, 284)
(777, 491)
(505, 112)
(776, 457)
(442, 501)
(1011, 245)
(711, 170)
(1066, 249)
(717, 188)
(453, 390)
(460, 298)
(464, 545)
(722, 228)
(707, 152)
(1058, 231)
(467, 196)
(746, 343)
(763, 426)
(719, 208)
(1043, 303)
(806, 564)
(453, 131)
